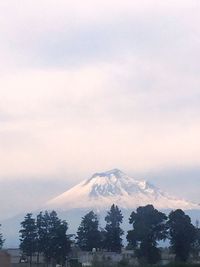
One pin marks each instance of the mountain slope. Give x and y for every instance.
(99, 193)
(103, 189)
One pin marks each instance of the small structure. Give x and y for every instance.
(15, 255)
(5, 259)
(87, 258)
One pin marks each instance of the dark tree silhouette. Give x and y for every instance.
(149, 227)
(113, 240)
(47, 235)
(196, 244)
(182, 234)
(52, 238)
(88, 234)
(1, 240)
(28, 236)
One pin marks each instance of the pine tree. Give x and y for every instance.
(195, 248)
(149, 227)
(41, 226)
(28, 236)
(88, 234)
(59, 242)
(1, 240)
(113, 240)
(52, 238)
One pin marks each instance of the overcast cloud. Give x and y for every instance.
(87, 86)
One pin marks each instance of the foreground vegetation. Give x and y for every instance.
(118, 265)
(47, 235)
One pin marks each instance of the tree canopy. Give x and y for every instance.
(88, 234)
(47, 235)
(1, 240)
(148, 228)
(182, 234)
(28, 236)
(113, 240)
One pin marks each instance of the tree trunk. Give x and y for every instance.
(30, 260)
(38, 258)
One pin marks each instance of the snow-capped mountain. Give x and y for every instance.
(98, 193)
(103, 189)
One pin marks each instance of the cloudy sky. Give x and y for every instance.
(93, 85)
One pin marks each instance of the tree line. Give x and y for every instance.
(149, 227)
(47, 234)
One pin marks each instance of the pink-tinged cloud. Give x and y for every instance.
(96, 84)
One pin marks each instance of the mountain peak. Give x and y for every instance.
(114, 186)
(116, 172)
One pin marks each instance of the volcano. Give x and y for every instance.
(103, 189)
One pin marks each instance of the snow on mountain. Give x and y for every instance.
(103, 189)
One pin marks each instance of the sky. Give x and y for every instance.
(92, 85)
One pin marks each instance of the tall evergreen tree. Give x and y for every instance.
(113, 240)
(48, 236)
(28, 236)
(88, 234)
(195, 249)
(52, 238)
(41, 234)
(1, 240)
(59, 240)
(149, 226)
(182, 234)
